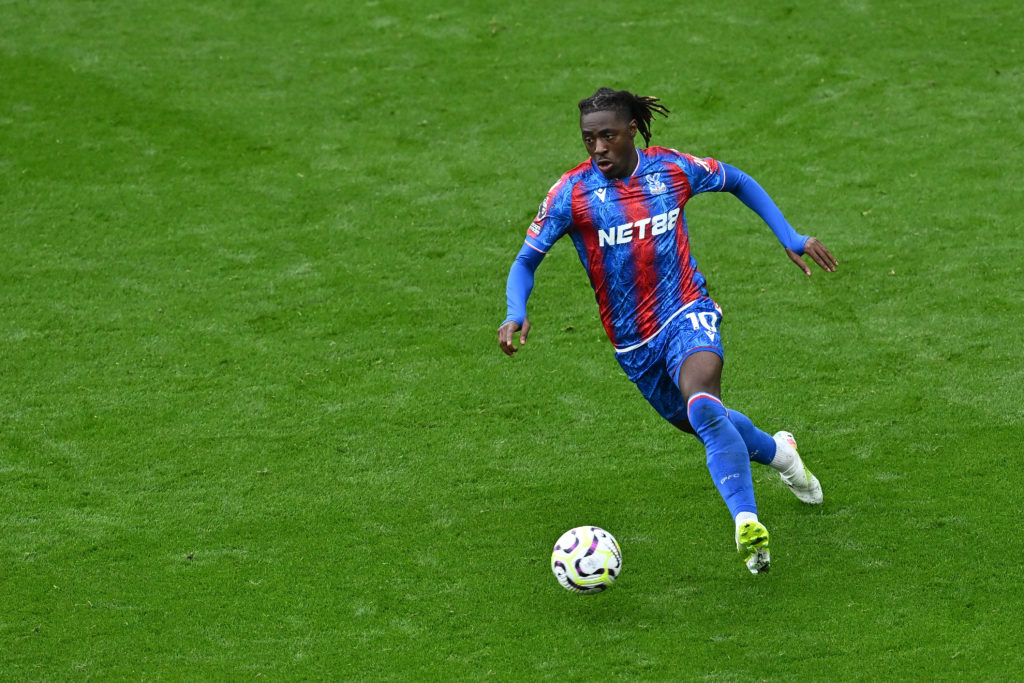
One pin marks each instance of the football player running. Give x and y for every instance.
(623, 210)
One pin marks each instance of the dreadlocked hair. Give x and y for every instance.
(629, 105)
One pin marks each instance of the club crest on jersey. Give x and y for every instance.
(655, 185)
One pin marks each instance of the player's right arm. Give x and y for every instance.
(517, 291)
(551, 222)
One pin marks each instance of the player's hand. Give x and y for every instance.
(817, 251)
(507, 333)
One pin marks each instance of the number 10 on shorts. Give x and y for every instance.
(706, 319)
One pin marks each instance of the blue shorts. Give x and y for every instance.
(654, 367)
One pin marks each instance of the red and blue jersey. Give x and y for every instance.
(631, 237)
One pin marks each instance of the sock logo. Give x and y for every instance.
(734, 475)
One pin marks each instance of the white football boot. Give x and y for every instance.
(797, 477)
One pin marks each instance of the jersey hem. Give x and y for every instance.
(663, 326)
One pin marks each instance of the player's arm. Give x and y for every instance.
(517, 291)
(757, 200)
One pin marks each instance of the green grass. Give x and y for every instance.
(254, 421)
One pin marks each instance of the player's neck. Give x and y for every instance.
(636, 162)
(632, 167)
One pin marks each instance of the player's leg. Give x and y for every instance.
(700, 381)
(658, 382)
(728, 460)
(760, 446)
(778, 452)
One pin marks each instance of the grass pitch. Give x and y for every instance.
(254, 421)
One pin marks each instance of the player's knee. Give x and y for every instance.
(706, 412)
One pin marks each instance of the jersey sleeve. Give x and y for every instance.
(553, 219)
(757, 200)
(520, 283)
(705, 175)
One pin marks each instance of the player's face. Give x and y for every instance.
(609, 142)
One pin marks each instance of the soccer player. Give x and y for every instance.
(623, 211)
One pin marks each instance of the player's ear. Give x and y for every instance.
(633, 128)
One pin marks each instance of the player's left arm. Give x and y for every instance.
(757, 200)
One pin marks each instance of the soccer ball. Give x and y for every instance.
(586, 559)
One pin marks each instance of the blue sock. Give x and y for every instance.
(760, 446)
(728, 460)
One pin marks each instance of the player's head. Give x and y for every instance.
(609, 122)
